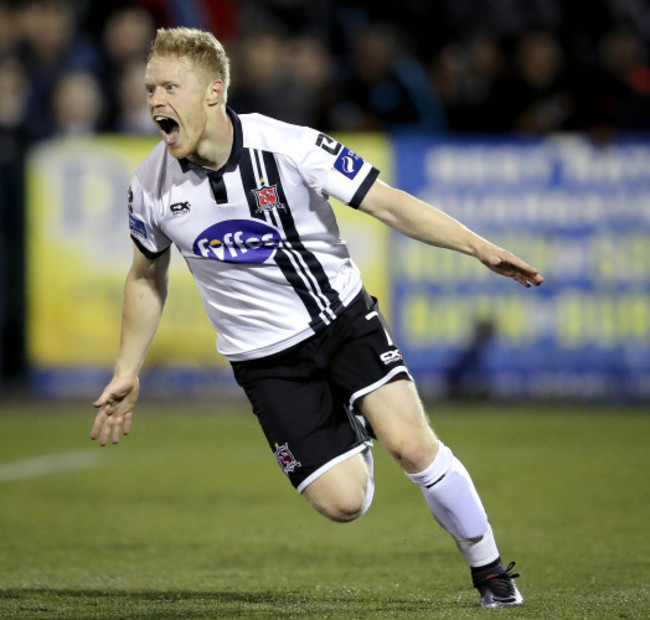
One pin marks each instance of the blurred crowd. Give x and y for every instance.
(522, 66)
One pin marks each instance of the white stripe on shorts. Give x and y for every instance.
(335, 461)
(377, 384)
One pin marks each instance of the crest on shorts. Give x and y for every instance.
(267, 198)
(285, 458)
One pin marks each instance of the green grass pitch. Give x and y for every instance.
(190, 517)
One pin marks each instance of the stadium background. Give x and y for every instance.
(527, 120)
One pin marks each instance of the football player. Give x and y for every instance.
(244, 198)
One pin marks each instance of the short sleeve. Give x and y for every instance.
(333, 169)
(145, 232)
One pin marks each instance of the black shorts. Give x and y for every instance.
(304, 397)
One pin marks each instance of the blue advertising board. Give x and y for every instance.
(579, 212)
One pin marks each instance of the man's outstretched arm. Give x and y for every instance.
(419, 220)
(145, 292)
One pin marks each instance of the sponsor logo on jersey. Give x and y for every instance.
(348, 163)
(130, 198)
(137, 226)
(267, 198)
(285, 458)
(328, 144)
(238, 241)
(390, 357)
(180, 208)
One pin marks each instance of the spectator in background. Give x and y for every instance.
(465, 78)
(337, 65)
(50, 47)
(126, 37)
(283, 77)
(13, 93)
(615, 95)
(501, 18)
(464, 377)
(132, 113)
(77, 104)
(385, 89)
(8, 29)
(296, 18)
(538, 97)
(261, 86)
(312, 66)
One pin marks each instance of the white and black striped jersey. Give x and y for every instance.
(258, 235)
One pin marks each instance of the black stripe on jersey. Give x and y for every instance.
(360, 194)
(217, 183)
(148, 253)
(297, 281)
(295, 255)
(218, 187)
(289, 226)
(251, 182)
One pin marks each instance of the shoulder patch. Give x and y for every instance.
(348, 163)
(137, 226)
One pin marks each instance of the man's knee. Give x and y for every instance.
(398, 418)
(343, 493)
(341, 509)
(414, 453)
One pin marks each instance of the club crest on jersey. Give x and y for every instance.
(348, 163)
(285, 458)
(267, 198)
(238, 241)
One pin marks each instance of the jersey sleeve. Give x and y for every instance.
(334, 170)
(145, 232)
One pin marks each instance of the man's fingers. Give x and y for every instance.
(105, 411)
(518, 270)
(523, 281)
(527, 275)
(109, 424)
(117, 427)
(106, 431)
(115, 406)
(100, 418)
(128, 418)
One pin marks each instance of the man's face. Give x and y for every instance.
(176, 92)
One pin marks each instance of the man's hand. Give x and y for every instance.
(505, 263)
(115, 409)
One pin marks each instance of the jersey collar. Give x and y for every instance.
(235, 153)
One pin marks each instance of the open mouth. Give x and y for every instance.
(169, 128)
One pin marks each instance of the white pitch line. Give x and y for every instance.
(49, 464)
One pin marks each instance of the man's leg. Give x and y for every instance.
(344, 492)
(315, 440)
(398, 419)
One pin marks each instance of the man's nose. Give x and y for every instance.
(156, 99)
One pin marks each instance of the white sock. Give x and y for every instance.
(481, 551)
(452, 498)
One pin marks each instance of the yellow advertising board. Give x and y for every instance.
(79, 252)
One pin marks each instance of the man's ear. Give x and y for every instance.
(215, 92)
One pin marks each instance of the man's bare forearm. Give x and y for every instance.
(145, 292)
